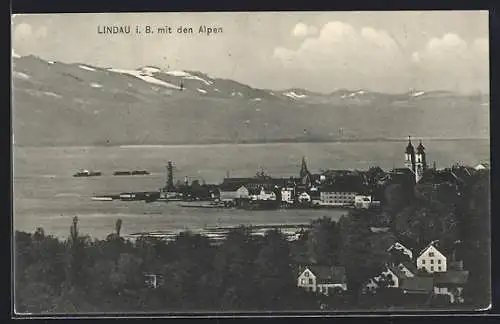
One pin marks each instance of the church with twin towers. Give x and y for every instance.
(415, 160)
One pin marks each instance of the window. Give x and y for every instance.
(306, 274)
(432, 261)
(432, 268)
(310, 281)
(423, 261)
(439, 268)
(431, 254)
(439, 261)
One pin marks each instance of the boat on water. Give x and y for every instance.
(87, 173)
(102, 198)
(134, 172)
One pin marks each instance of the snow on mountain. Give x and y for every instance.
(294, 95)
(84, 67)
(417, 94)
(188, 76)
(145, 77)
(20, 75)
(178, 73)
(92, 109)
(151, 69)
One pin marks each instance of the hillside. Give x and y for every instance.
(56, 103)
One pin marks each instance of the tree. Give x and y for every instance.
(361, 254)
(273, 271)
(324, 241)
(395, 198)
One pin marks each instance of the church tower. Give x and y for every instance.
(410, 156)
(305, 176)
(420, 162)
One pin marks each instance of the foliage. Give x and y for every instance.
(249, 272)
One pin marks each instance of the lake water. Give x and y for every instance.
(46, 195)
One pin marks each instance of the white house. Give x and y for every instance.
(431, 259)
(335, 197)
(230, 193)
(391, 277)
(322, 279)
(362, 202)
(401, 248)
(482, 166)
(287, 195)
(304, 197)
(263, 194)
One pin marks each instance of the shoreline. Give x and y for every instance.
(270, 142)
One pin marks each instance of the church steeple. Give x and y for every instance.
(420, 162)
(410, 155)
(303, 168)
(305, 175)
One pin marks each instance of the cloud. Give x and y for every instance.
(25, 36)
(303, 30)
(343, 56)
(452, 60)
(338, 47)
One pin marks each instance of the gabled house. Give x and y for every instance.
(232, 191)
(451, 283)
(303, 197)
(408, 268)
(322, 279)
(431, 259)
(391, 277)
(402, 249)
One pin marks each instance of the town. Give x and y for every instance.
(415, 236)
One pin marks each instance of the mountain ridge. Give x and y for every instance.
(105, 105)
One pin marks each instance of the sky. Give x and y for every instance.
(318, 51)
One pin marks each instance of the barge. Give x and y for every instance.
(87, 173)
(128, 173)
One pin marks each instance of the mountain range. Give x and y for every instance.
(56, 103)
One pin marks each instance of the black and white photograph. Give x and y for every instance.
(250, 162)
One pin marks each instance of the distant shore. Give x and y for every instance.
(254, 142)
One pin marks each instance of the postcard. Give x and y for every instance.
(251, 162)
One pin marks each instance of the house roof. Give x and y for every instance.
(394, 269)
(255, 190)
(452, 277)
(434, 244)
(410, 266)
(230, 186)
(326, 274)
(418, 284)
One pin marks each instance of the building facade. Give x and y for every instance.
(322, 279)
(329, 197)
(432, 260)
